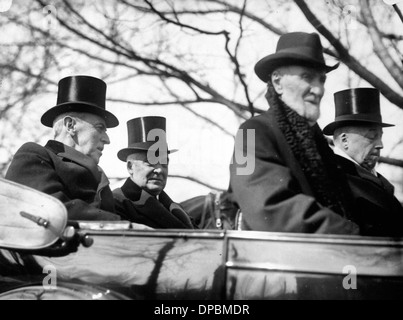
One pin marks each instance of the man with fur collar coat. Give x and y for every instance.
(291, 182)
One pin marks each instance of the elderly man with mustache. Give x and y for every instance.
(357, 133)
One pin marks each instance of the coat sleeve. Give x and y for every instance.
(32, 166)
(269, 196)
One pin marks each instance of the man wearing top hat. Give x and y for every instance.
(296, 185)
(67, 166)
(142, 196)
(357, 134)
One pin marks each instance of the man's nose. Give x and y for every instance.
(318, 88)
(379, 144)
(105, 138)
(157, 169)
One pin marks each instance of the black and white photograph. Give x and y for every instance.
(201, 154)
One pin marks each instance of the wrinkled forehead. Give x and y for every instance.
(364, 128)
(91, 118)
(138, 155)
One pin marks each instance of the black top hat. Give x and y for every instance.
(80, 94)
(356, 106)
(294, 48)
(138, 130)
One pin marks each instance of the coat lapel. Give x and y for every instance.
(380, 180)
(104, 180)
(133, 192)
(356, 170)
(386, 184)
(175, 209)
(71, 154)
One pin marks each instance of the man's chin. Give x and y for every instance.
(312, 112)
(155, 189)
(96, 159)
(369, 164)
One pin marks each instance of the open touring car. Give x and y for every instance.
(42, 256)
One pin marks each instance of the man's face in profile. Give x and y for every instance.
(91, 135)
(365, 144)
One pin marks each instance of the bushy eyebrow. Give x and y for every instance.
(313, 74)
(100, 124)
(372, 133)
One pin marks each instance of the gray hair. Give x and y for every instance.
(58, 122)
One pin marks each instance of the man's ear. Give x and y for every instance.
(70, 125)
(275, 80)
(129, 166)
(344, 140)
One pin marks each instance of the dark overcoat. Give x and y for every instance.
(68, 175)
(276, 195)
(141, 207)
(379, 212)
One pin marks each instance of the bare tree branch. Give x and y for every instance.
(234, 59)
(178, 23)
(250, 15)
(184, 105)
(381, 50)
(349, 60)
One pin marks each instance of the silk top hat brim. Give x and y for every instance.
(356, 107)
(49, 116)
(80, 94)
(352, 121)
(270, 63)
(294, 48)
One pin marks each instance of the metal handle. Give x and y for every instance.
(38, 220)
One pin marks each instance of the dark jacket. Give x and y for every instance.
(142, 207)
(68, 175)
(378, 213)
(276, 196)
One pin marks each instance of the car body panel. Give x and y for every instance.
(122, 260)
(232, 265)
(29, 219)
(147, 264)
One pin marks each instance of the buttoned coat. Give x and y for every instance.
(379, 212)
(68, 175)
(276, 195)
